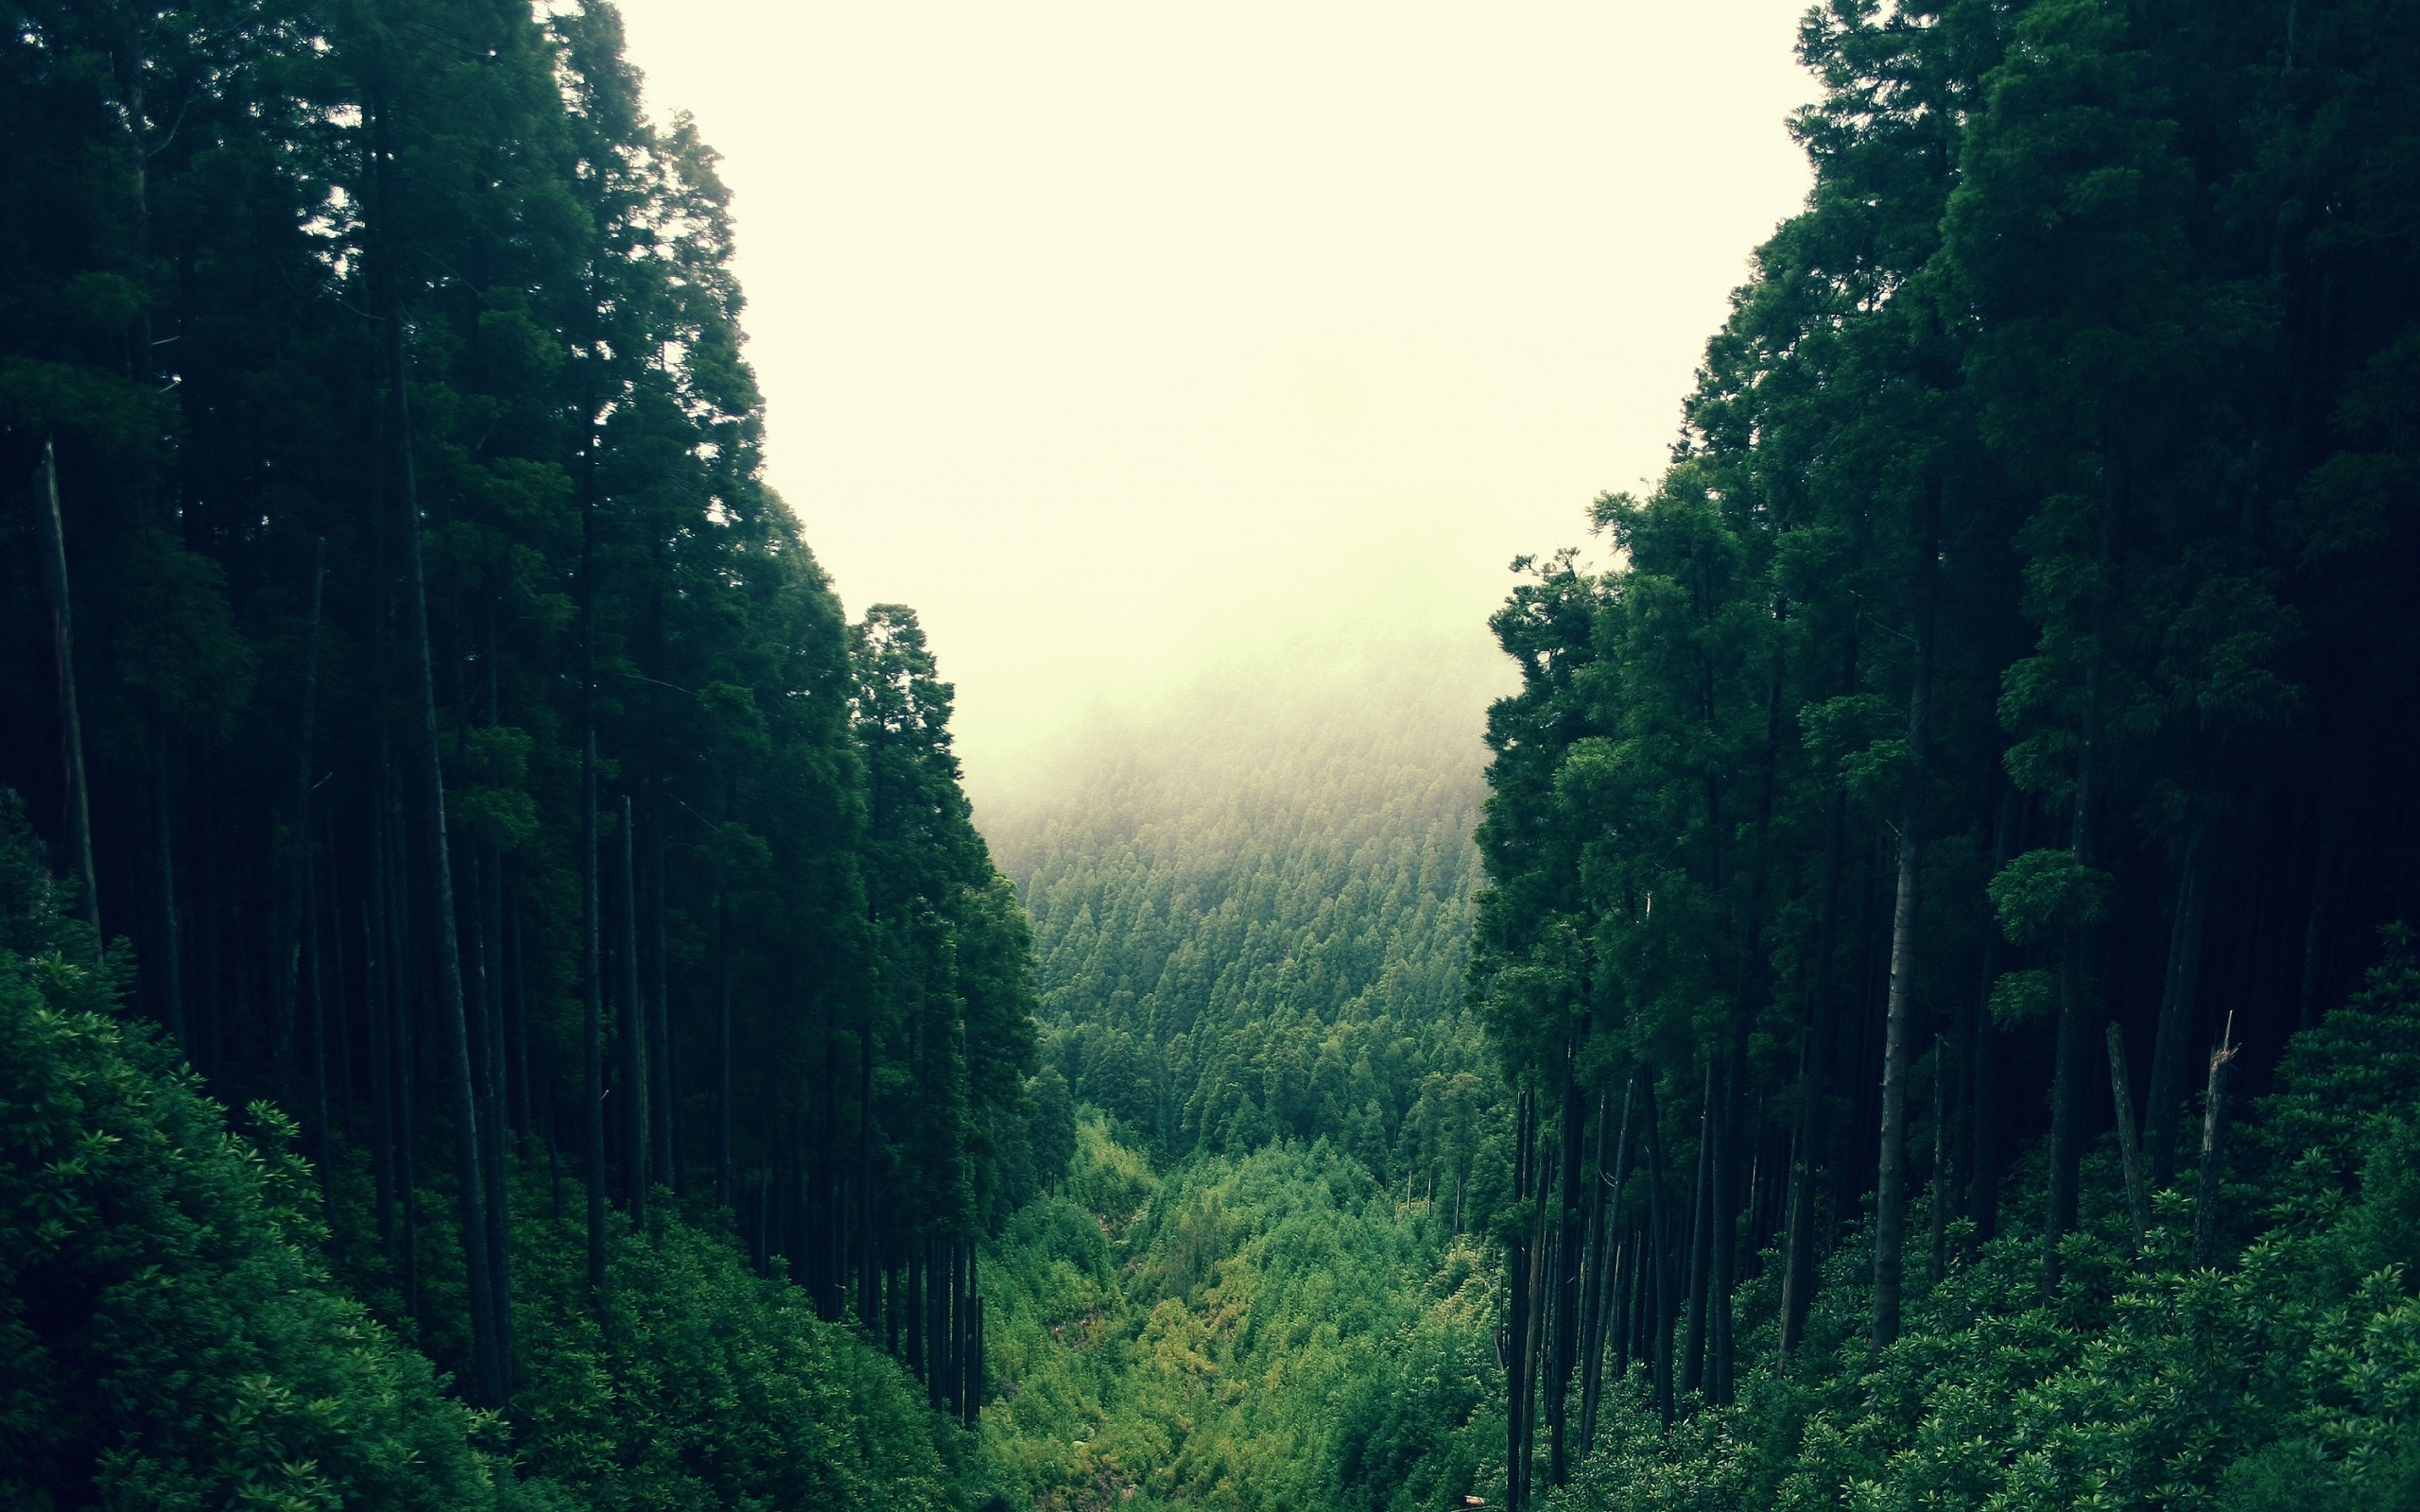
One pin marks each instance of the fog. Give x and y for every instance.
(1156, 351)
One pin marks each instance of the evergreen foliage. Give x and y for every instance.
(1264, 1329)
(473, 775)
(1250, 917)
(1991, 681)
(436, 742)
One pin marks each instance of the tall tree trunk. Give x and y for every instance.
(1701, 1239)
(1516, 1314)
(633, 1034)
(2214, 1112)
(170, 964)
(2075, 990)
(869, 1255)
(1798, 1261)
(52, 544)
(1983, 1059)
(1890, 1186)
(2167, 1093)
(1564, 1347)
(1940, 1060)
(592, 911)
(914, 1311)
(484, 1305)
(2315, 923)
(722, 1096)
(2138, 1203)
(290, 964)
(1604, 1287)
(662, 1110)
(375, 968)
(1659, 1256)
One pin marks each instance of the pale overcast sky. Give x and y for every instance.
(1126, 340)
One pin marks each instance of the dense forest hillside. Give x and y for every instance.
(1251, 908)
(1896, 991)
(1266, 1283)
(1923, 864)
(519, 1011)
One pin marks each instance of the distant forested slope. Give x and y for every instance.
(1251, 911)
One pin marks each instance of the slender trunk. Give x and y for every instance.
(403, 982)
(53, 547)
(2167, 1093)
(170, 965)
(341, 994)
(484, 1304)
(633, 1034)
(723, 1096)
(1516, 1315)
(1728, 1133)
(1564, 1347)
(1983, 1059)
(1890, 1186)
(1592, 1257)
(663, 1109)
(1798, 1261)
(1605, 1286)
(291, 961)
(1700, 1240)
(1940, 1162)
(2138, 1202)
(2214, 1106)
(1659, 1257)
(321, 1143)
(592, 913)
(868, 1244)
(2075, 994)
(488, 912)
(382, 1100)
(2315, 925)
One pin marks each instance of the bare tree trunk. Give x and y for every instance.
(722, 1098)
(2074, 1008)
(1659, 1257)
(2167, 1093)
(1516, 1316)
(2214, 1105)
(1560, 1356)
(592, 921)
(1798, 1259)
(170, 965)
(290, 952)
(633, 1035)
(2138, 1202)
(1700, 1241)
(1982, 1063)
(1890, 1187)
(53, 536)
(1604, 1291)
(662, 1110)
(487, 1364)
(2315, 925)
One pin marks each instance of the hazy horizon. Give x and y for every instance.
(1131, 346)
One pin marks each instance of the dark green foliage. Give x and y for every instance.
(1269, 1330)
(169, 1335)
(1262, 936)
(2011, 514)
(2293, 1378)
(448, 670)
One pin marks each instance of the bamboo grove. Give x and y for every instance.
(1992, 737)
(431, 706)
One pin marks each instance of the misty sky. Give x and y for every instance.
(1127, 341)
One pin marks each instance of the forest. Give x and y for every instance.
(1910, 1000)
